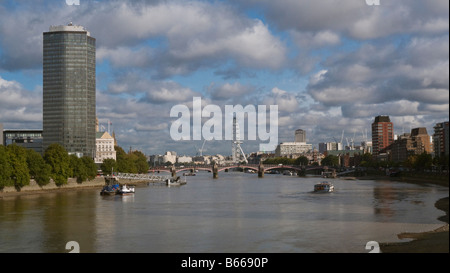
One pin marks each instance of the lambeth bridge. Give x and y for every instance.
(257, 168)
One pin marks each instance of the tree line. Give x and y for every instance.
(419, 162)
(18, 165)
(132, 162)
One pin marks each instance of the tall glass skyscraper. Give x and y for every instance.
(69, 89)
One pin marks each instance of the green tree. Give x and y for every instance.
(424, 161)
(77, 169)
(39, 170)
(5, 168)
(124, 164)
(140, 161)
(108, 166)
(20, 174)
(58, 159)
(301, 161)
(330, 160)
(90, 166)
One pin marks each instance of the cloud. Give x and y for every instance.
(286, 101)
(18, 104)
(229, 91)
(416, 72)
(356, 19)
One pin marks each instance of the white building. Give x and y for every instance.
(184, 159)
(289, 148)
(170, 157)
(104, 143)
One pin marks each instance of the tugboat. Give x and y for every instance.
(324, 187)
(111, 186)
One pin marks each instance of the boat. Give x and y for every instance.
(330, 174)
(171, 182)
(324, 187)
(189, 174)
(125, 190)
(109, 190)
(111, 187)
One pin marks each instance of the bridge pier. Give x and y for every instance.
(215, 171)
(261, 170)
(173, 171)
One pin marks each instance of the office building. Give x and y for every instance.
(69, 89)
(382, 134)
(27, 138)
(292, 148)
(440, 139)
(300, 135)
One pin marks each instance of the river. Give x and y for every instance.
(238, 212)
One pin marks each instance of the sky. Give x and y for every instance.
(330, 66)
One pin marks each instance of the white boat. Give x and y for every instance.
(125, 190)
(323, 187)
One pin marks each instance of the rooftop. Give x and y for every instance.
(69, 27)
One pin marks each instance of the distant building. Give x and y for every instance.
(291, 148)
(69, 89)
(170, 157)
(300, 135)
(27, 138)
(329, 146)
(441, 139)
(184, 159)
(414, 143)
(382, 134)
(104, 143)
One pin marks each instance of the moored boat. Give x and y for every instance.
(126, 190)
(324, 187)
(109, 190)
(171, 182)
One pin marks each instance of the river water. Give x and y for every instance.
(238, 212)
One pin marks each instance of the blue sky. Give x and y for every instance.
(330, 66)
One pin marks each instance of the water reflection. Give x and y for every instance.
(236, 213)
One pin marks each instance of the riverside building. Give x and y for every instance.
(69, 89)
(382, 134)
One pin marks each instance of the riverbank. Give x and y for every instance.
(72, 184)
(435, 241)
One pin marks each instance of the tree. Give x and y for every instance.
(5, 168)
(301, 161)
(424, 161)
(77, 168)
(140, 162)
(124, 164)
(108, 166)
(90, 166)
(58, 159)
(330, 160)
(39, 170)
(20, 174)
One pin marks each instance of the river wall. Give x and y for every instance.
(33, 187)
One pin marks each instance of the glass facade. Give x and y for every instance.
(69, 90)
